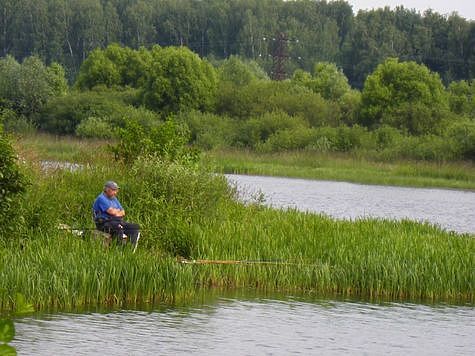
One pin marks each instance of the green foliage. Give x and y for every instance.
(98, 69)
(258, 129)
(13, 122)
(404, 95)
(239, 73)
(461, 135)
(263, 97)
(68, 31)
(28, 86)
(350, 105)
(7, 330)
(179, 80)
(167, 141)
(13, 183)
(327, 80)
(114, 66)
(174, 199)
(288, 139)
(210, 131)
(95, 127)
(462, 97)
(63, 114)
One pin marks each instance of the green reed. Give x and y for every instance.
(190, 212)
(351, 167)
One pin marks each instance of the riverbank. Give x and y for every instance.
(298, 164)
(193, 213)
(339, 167)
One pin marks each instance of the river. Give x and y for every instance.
(448, 208)
(281, 325)
(257, 326)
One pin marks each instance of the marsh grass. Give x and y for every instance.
(191, 212)
(345, 167)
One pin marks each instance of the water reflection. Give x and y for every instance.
(450, 209)
(256, 327)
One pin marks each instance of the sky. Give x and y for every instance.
(465, 8)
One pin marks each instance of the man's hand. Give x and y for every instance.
(116, 212)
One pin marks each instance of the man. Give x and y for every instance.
(109, 215)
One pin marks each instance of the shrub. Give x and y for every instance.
(462, 137)
(261, 97)
(386, 137)
(95, 127)
(62, 115)
(405, 95)
(177, 80)
(289, 139)
(12, 184)
(167, 141)
(172, 199)
(13, 122)
(210, 131)
(28, 86)
(257, 130)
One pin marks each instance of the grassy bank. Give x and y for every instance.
(192, 213)
(350, 168)
(310, 254)
(298, 164)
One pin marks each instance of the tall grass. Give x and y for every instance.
(192, 213)
(348, 167)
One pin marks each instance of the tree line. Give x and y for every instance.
(300, 33)
(157, 99)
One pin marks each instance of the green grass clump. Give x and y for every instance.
(365, 257)
(190, 212)
(345, 167)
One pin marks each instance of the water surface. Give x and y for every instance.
(256, 327)
(450, 209)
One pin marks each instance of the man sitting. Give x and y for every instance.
(109, 216)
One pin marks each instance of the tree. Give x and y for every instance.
(178, 79)
(98, 69)
(327, 80)
(405, 95)
(27, 87)
(462, 97)
(238, 72)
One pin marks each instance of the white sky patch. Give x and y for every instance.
(465, 8)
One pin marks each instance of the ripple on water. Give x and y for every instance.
(250, 327)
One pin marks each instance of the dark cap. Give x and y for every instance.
(112, 185)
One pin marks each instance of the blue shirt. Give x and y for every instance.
(102, 203)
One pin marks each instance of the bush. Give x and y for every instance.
(95, 127)
(210, 131)
(178, 80)
(386, 137)
(289, 139)
(239, 72)
(462, 137)
(172, 199)
(262, 97)
(12, 122)
(12, 184)
(62, 115)
(257, 130)
(167, 141)
(28, 86)
(405, 95)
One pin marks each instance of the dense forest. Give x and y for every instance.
(267, 76)
(276, 34)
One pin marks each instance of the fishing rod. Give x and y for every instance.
(185, 261)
